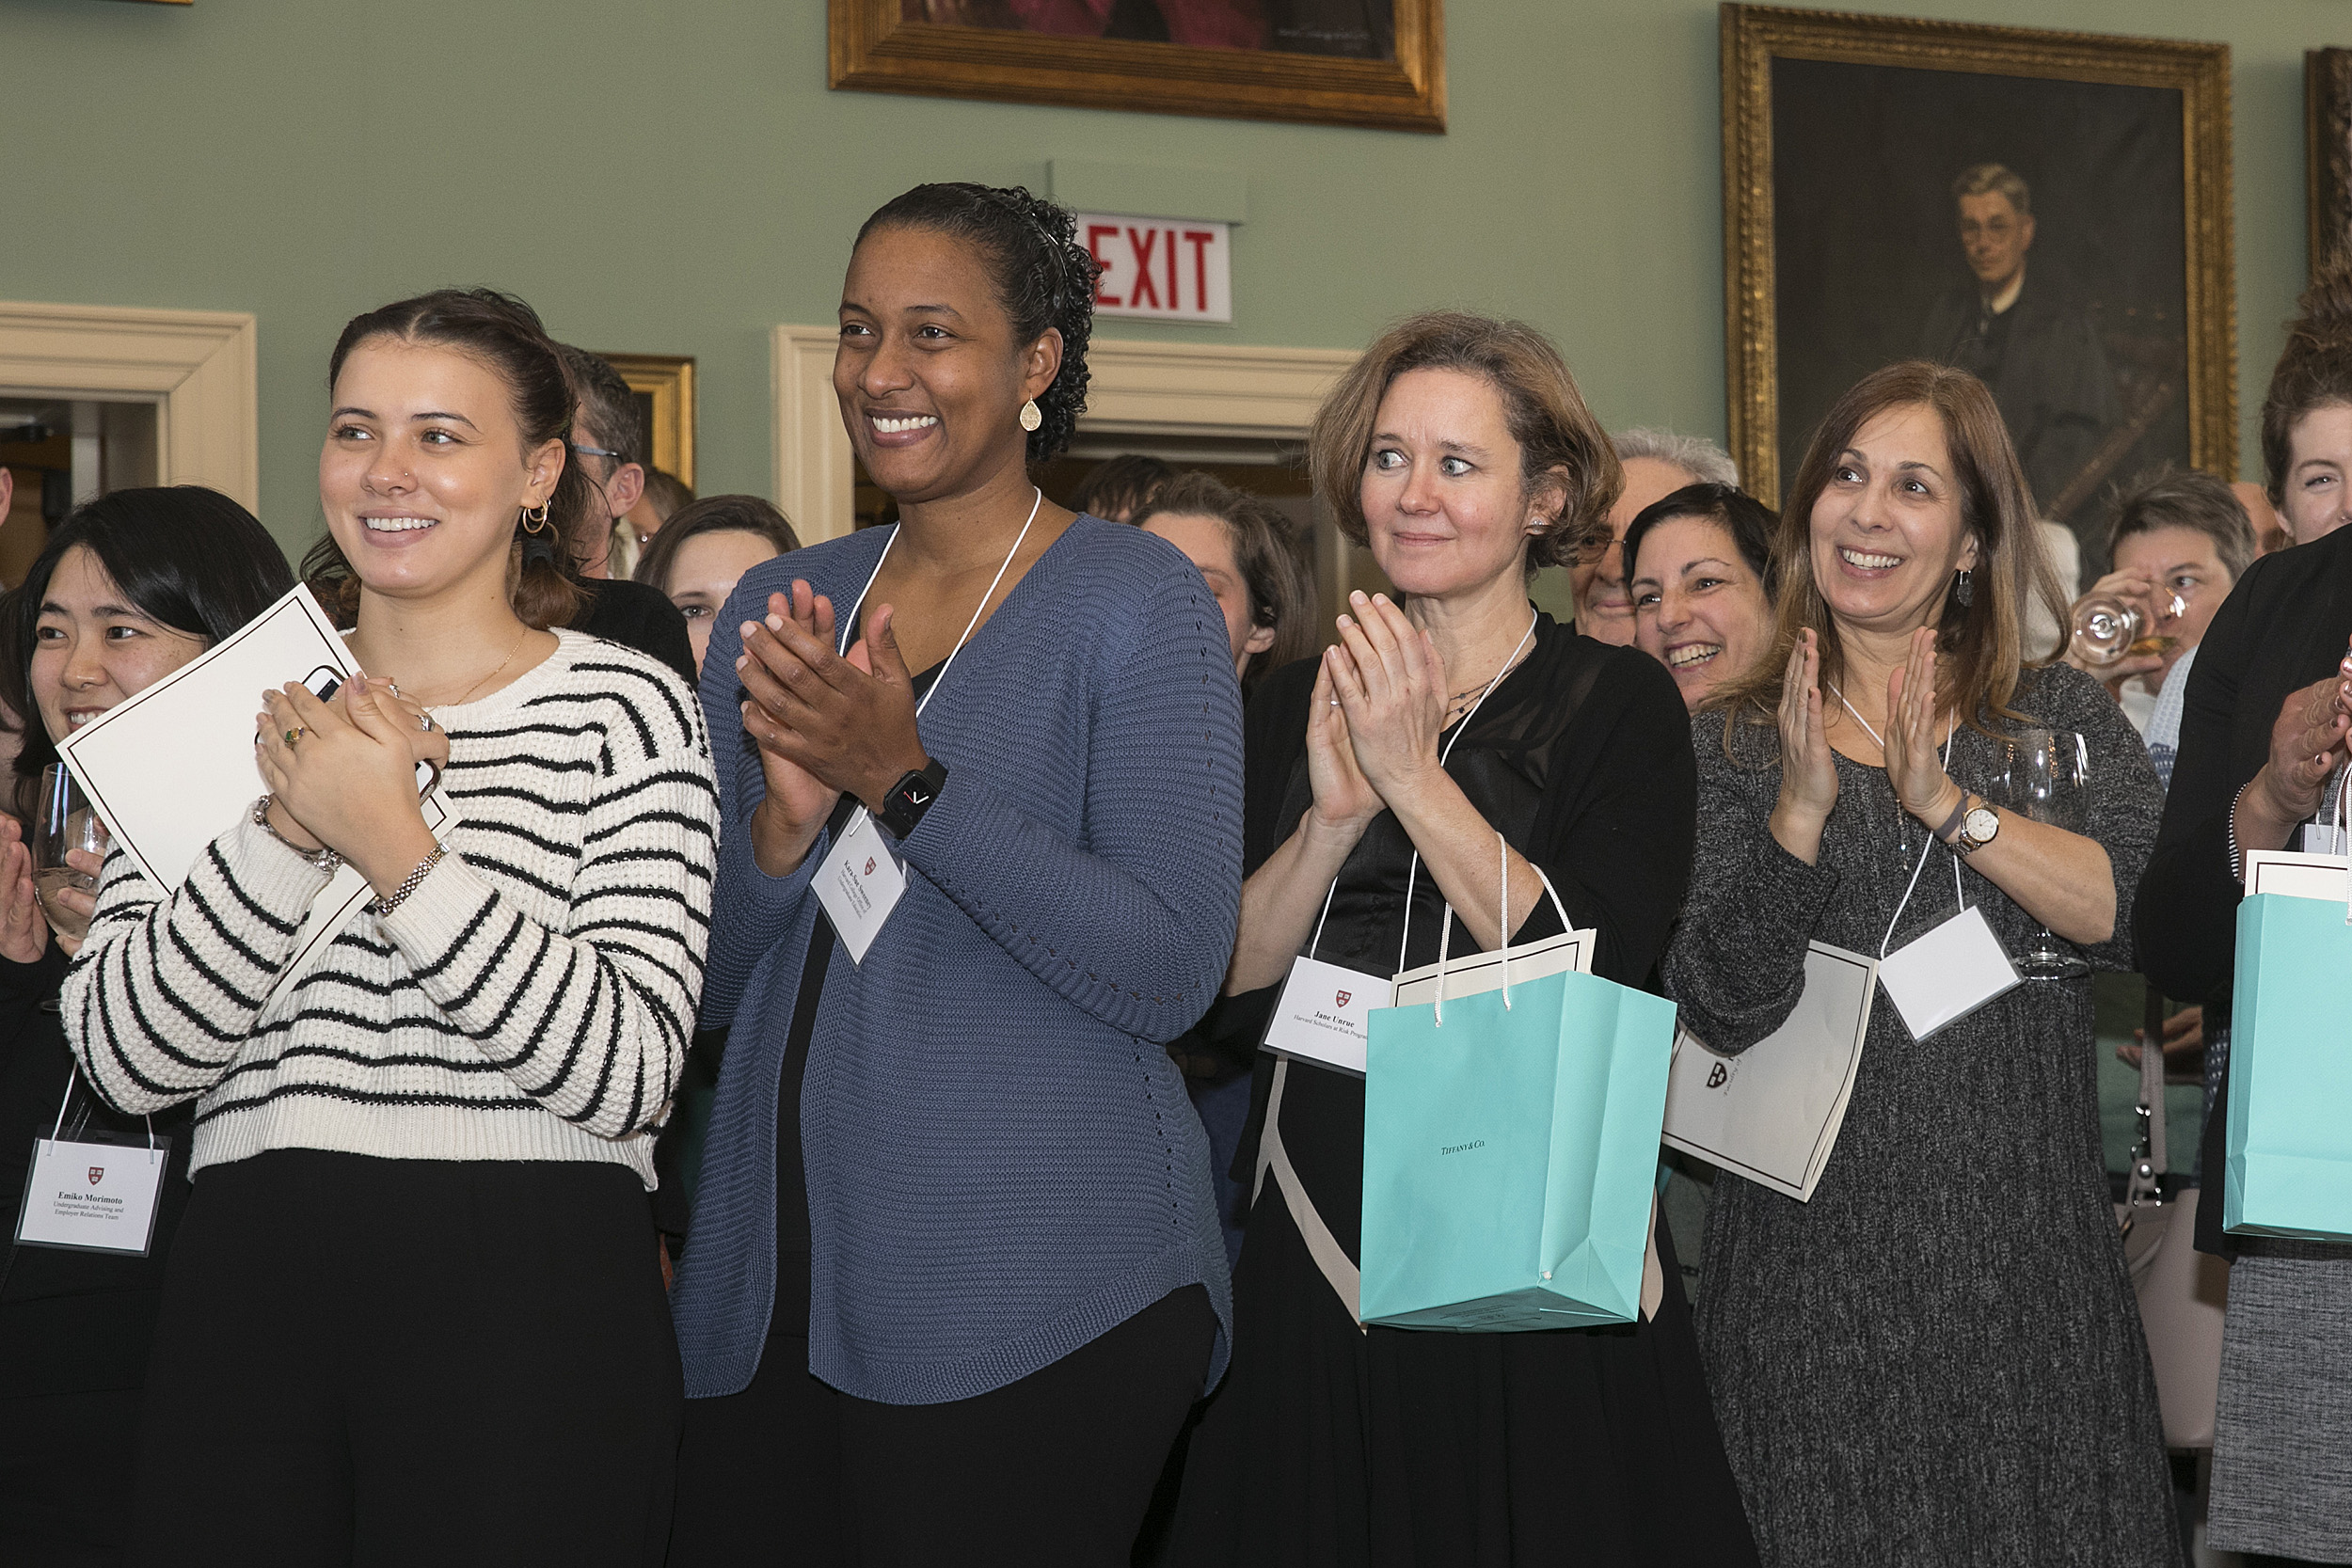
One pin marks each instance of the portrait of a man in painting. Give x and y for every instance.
(2021, 334)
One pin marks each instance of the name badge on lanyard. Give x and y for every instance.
(861, 881)
(859, 884)
(92, 1196)
(1957, 966)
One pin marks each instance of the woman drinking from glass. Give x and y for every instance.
(1460, 450)
(1937, 1358)
(130, 587)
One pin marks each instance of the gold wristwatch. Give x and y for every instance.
(1970, 827)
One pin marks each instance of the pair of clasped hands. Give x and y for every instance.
(827, 724)
(349, 776)
(1379, 705)
(1910, 743)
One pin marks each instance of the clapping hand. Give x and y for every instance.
(24, 928)
(346, 775)
(846, 719)
(1808, 771)
(1345, 800)
(1913, 767)
(797, 802)
(1390, 684)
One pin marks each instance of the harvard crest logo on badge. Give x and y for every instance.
(97, 1174)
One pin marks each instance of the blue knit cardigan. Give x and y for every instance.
(1001, 1160)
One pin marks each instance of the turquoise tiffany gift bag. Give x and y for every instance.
(2289, 1171)
(1510, 1153)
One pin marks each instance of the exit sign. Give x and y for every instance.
(1169, 269)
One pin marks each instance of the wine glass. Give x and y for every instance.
(2045, 777)
(63, 824)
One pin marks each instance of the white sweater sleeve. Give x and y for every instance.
(592, 1021)
(165, 990)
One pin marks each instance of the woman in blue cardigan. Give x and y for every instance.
(955, 1277)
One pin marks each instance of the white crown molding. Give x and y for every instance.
(1142, 388)
(195, 366)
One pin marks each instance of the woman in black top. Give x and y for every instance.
(1461, 449)
(130, 588)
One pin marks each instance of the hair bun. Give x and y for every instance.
(2324, 318)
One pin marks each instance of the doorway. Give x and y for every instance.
(61, 453)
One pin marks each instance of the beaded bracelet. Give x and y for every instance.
(321, 859)
(385, 903)
(2237, 856)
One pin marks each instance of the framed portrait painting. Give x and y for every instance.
(2050, 211)
(1378, 63)
(2328, 149)
(663, 386)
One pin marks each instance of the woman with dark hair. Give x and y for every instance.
(415, 1308)
(1389, 780)
(2263, 753)
(1249, 556)
(1703, 602)
(955, 1273)
(1936, 1359)
(130, 587)
(705, 550)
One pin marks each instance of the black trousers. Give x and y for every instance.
(1053, 1471)
(392, 1362)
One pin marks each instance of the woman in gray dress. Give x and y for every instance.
(1937, 1360)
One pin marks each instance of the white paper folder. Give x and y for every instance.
(1772, 1113)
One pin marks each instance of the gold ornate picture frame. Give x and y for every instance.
(979, 49)
(2328, 149)
(666, 380)
(1837, 189)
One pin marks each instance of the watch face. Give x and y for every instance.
(1982, 824)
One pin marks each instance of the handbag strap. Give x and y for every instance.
(1503, 924)
(1330, 1258)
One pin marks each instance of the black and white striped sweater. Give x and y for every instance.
(532, 998)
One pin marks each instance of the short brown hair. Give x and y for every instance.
(712, 514)
(2167, 496)
(1995, 178)
(666, 493)
(1980, 645)
(1546, 413)
(1119, 488)
(1269, 553)
(2313, 371)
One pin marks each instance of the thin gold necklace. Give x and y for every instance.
(493, 675)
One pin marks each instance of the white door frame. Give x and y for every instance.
(1137, 389)
(195, 366)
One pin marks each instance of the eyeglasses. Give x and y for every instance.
(597, 451)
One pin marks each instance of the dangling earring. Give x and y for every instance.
(1031, 416)
(1962, 590)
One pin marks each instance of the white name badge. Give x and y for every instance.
(92, 1198)
(1323, 1014)
(859, 884)
(1949, 973)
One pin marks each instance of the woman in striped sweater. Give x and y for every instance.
(414, 1312)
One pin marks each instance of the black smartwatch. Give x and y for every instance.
(910, 796)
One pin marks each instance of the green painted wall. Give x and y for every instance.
(676, 178)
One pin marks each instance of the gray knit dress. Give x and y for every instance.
(1938, 1359)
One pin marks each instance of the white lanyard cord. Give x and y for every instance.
(62, 1104)
(842, 647)
(1404, 938)
(1958, 897)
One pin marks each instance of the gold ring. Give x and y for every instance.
(294, 735)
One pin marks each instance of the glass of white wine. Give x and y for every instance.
(63, 824)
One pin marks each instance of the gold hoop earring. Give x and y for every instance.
(535, 522)
(1031, 416)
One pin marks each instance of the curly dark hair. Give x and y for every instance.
(1044, 278)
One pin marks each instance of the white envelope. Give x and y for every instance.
(1477, 971)
(1773, 1113)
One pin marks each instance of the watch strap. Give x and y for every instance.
(1952, 824)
